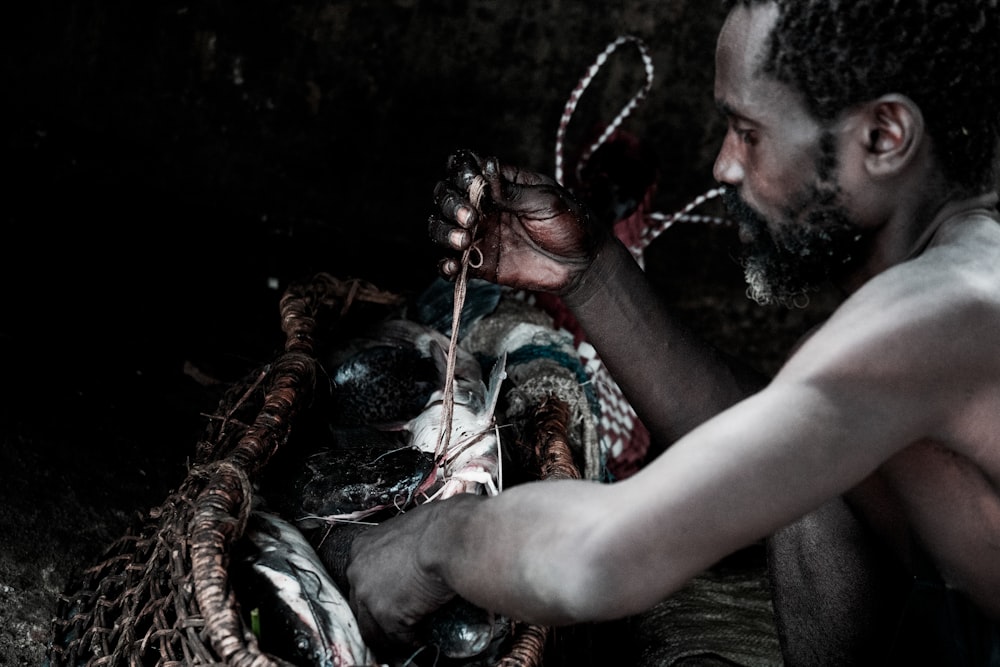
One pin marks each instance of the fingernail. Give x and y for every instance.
(463, 215)
(458, 238)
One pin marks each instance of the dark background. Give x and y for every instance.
(169, 167)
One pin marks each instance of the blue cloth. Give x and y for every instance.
(435, 305)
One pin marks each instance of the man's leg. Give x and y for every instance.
(838, 594)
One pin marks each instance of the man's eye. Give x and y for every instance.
(746, 136)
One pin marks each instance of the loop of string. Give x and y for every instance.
(656, 222)
(574, 99)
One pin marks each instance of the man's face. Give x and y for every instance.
(779, 166)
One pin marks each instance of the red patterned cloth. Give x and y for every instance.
(624, 439)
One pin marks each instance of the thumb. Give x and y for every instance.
(491, 172)
(385, 644)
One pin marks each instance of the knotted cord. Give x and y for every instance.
(476, 191)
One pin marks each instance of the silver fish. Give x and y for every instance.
(371, 371)
(304, 618)
(471, 463)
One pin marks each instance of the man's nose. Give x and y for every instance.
(728, 169)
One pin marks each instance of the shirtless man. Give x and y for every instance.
(878, 442)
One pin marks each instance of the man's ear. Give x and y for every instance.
(894, 132)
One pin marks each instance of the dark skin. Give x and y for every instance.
(534, 237)
(878, 441)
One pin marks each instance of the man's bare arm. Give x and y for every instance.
(672, 377)
(597, 551)
(862, 389)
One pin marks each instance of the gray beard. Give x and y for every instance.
(784, 264)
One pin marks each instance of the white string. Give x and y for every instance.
(657, 222)
(574, 99)
(664, 222)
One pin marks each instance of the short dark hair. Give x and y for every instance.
(942, 54)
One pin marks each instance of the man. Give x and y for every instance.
(861, 148)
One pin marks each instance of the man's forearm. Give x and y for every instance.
(537, 569)
(672, 378)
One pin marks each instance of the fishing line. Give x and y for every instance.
(476, 191)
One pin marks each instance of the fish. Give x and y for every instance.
(380, 384)
(351, 474)
(466, 633)
(386, 375)
(380, 459)
(369, 380)
(303, 616)
(363, 449)
(471, 463)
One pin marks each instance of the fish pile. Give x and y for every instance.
(371, 448)
(377, 452)
(376, 444)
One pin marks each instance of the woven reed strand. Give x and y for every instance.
(160, 595)
(548, 431)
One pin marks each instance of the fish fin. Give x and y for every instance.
(438, 352)
(393, 425)
(497, 376)
(468, 377)
(434, 344)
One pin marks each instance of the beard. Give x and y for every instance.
(784, 262)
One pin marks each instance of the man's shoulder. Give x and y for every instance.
(957, 276)
(941, 307)
(972, 236)
(959, 267)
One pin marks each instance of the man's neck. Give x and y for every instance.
(954, 209)
(910, 229)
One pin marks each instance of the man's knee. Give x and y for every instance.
(837, 592)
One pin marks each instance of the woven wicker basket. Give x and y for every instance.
(160, 594)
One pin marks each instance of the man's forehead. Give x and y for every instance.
(740, 52)
(746, 31)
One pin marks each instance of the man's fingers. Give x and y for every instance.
(447, 234)
(463, 165)
(449, 268)
(370, 631)
(454, 206)
(375, 637)
(491, 172)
